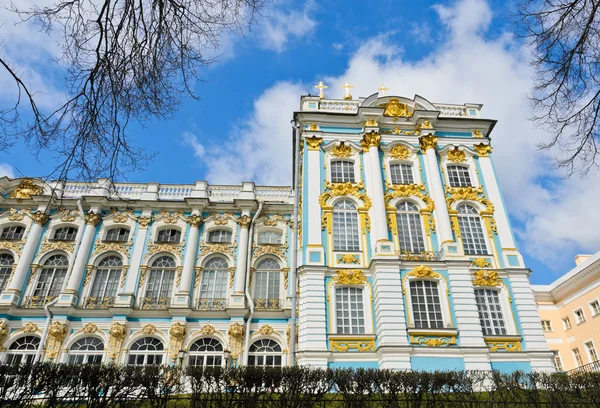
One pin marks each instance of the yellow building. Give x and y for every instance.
(570, 312)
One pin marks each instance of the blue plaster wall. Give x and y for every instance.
(437, 363)
(507, 367)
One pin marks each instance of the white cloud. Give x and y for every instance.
(6, 170)
(556, 216)
(190, 139)
(281, 25)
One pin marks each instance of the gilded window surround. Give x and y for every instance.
(344, 343)
(509, 344)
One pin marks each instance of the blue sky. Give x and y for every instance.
(453, 51)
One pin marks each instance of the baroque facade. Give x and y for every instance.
(570, 311)
(406, 258)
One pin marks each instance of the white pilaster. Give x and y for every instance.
(182, 298)
(312, 327)
(12, 294)
(127, 295)
(71, 294)
(392, 337)
(312, 184)
(444, 229)
(237, 299)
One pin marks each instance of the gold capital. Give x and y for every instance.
(314, 143)
(194, 220)
(428, 142)
(244, 221)
(39, 217)
(483, 150)
(92, 218)
(369, 140)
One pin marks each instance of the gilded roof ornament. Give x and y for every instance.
(320, 86)
(457, 156)
(382, 89)
(26, 189)
(486, 278)
(423, 271)
(483, 150)
(350, 277)
(428, 142)
(347, 87)
(399, 152)
(314, 143)
(396, 109)
(342, 151)
(369, 140)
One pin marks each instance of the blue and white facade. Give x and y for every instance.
(406, 258)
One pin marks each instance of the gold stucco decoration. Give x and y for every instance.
(477, 134)
(194, 220)
(428, 142)
(56, 334)
(144, 222)
(398, 131)
(483, 150)
(342, 151)
(121, 247)
(370, 139)
(469, 193)
(149, 329)
(47, 246)
(92, 218)
(313, 127)
(169, 218)
(236, 339)
(396, 109)
(176, 336)
(345, 189)
(116, 335)
(222, 219)
(13, 246)
(121, 217)
(15, 215)
(370, 123)
(481, 263)
(89, 328)
(274, 220)
(206, 249)
(269, 249)
(266, 330)
(423, 271)
(30, 328)
(400, 152)
(348, 259)
(350, 277)
(207, 330)
(173, 248)
(314, 143)
(457, 156)
(244, 221)
(26, 189)
(39, 217)
(486, 278)
(3, 334)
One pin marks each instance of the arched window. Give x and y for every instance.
(490, 312)
(345, 227)
(342, 171)
(146, 351)
(459, 176)
(471, 231)
(213, 290)
(410, 232)
(106, 283)
(219, 236)
(206, 352)
(160, 284)
(265, 353)
(267, 286)
(401, 173)
(118, 234)
(50, 282)
(12, 232)
(22, 350)
(169, 235)
(269, 237)
(87, 350)
(65, 234)
(426, 304)
(6, 265)
(349, 310)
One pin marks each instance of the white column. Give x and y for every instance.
(91, 220)
(312, 183)
(312, 327)
(33, 237)
(390, 316)
(242, 255)
(182, 298)
(126, 296)
(375, 191)
(467, 317)
(500, 214)
(444, 230)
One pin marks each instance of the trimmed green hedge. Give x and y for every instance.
(62, 385)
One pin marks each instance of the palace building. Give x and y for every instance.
(406, 258)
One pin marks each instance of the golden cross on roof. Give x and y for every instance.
(320, 87)
(347, 87)
(382, 89)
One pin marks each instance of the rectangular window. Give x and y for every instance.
(219, 236)
(410, 233)
(473, 238)
(577, 357)
(426, 306)
(591, 350)
(267, 285)
(117, 235)
(214, 284)
(459, 176)
(566, 323)
(547, 325)
(342, 171)
(595, 307)
(557, 361)
(349, 311)
(345, 231)
(490, 312)
(401, 173)
(12, 232)
(579, 316)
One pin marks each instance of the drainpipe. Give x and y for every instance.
(49, 315)
(294, 261)
(247, 285)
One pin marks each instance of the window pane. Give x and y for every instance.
(471, 231)
(401, 174)
(459, 176)
(349, 310)
(490, 312)
(342, 171)
(410, 232)
(346, 235)
(426, 305)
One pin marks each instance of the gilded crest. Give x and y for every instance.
(90, 328)
(342, 151)
(400, 152)
(207, 330)
(350, 277)
(25, 190)
(481, 263)
(457, 156)
(149, 329)
(30, 328)
(486, 278)
(396, 109)
(266, 330)
(348, 259)
(423, 271)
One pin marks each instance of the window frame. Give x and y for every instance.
(6, 270)
(146, 353)
(252, 355)
(583, 318)
(506, 317)
(45, 267)
(58, 228)
(151, 268)
(590, 350)
(577, 357)
(443, 293)
(111, 228)
(567, 323)
(12, 238)
(9, 357)
(98, 267)
(278, 273)
(162, 230)
(352, 178)
(206, 268)
(269, 231)
(557, 358)
(206, 354)
(401, 163)
(367, 308)
(73, 354)
(469, 172)
(348, 243)
(421, 225)
(481, 223)
(221, 230)
(547, 328)
(595, 311)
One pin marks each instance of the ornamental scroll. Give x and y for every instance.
(116, 335)
(176, 337)
(56, 334)
(236, 340)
